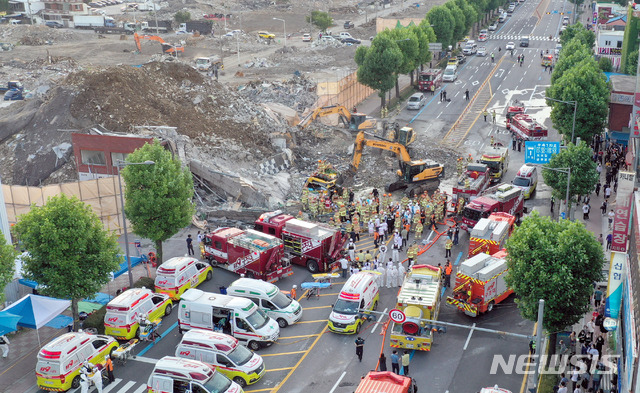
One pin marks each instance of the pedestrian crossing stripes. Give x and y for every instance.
(118, 386)
(513, 37)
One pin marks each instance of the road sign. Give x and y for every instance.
(435, 46)
(540, 152)
(397, 316)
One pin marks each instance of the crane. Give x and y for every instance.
(415, 176)
(166, 47)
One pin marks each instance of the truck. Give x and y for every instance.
(163, 26)
(207, 63)
(490, 234)
(386, 381)
(201, 26)
(430, 77)
(419, 300)
(501, 198)
(472, 182)
(93, 21)
(125, 28)
(480, 284)
(254, 254)
(148, 6)
(496, 157)
(527, 128)
(313, 245)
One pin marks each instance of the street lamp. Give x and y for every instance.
(121, 164)
(568, 172)
(575, 108)
(284, 24)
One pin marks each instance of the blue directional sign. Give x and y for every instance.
(540, 152)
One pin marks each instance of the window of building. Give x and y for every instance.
(619, 44)
(92, 157)
(117, 157)
(607, 43)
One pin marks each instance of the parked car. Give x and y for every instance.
(510, 46)
(558, 48)
(267, 35)
(350, 40)
(461, 59)
(484, 31)
(306, 37)
(54, 24)
(348, 24)
(482, 37)
(482, 51)
(416, 101)
(493, 26)
(452, 62)
(565, 21)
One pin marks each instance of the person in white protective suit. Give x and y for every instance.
(382, 253)
(85, 380)
(389, 266)
(97, 378)
(381, 277)
(401, 273)
(367, 266)
(396, 252)
(393, 274)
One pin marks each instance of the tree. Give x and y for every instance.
(460, 22)
(408, 44)
(378, 64)
(583, 172)
(586, 84)
(631, 66)
(425, 36)
(571, 54)
(157, 197)
(557, 261)
(70, 254)
(605, 65)
(578, 31)
(443, 24)
(182, 16)
(322, 20)
(7, 263)
(471, 16)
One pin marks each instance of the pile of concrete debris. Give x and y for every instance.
(37, 35)
(297, 93)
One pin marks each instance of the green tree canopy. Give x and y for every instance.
(605, 65)
(408, 44)
(443, 24)
(571, 54)
(578, 31)
(322, 20)
(631, 66)
(556, 261)
(586, 84)
(378, 64)
(583, 171)
(69, 252)
(182, 16)
(157, 197)
(460, 22)
(471, 16)
(7, 263)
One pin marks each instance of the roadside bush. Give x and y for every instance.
(96, 320)
(146, 282)
(604, 63)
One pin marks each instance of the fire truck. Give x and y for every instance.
(430, 77)
(480, 284)
(526, 128)
(419, 299)
(249, 252)
(313, 245)
(472, 182)
(497, 159)
(386, 381)
(501, 198)
(490, 234)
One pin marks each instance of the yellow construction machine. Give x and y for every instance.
(353, 121)
(415, 176)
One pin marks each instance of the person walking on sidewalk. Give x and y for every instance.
(359, 347)
(382, 362)
(607, 191)
(597, 297)
(603, 207)
(585, 211)
(598, 186)
(610, 218)
(466, 95)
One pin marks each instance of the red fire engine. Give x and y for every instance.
(386, 381)
(480, 284)
(472, 182)
(247, 252)
(490, 234)
(430, 77)
(501, 198)
(313, 245)
(525, 127)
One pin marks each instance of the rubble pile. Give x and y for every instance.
(297, 93)
(37, 35)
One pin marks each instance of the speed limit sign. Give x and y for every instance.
(397, 316)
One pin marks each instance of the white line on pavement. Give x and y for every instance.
(429, 238)
(333, 389)
(145, 359)
(469, 337)
(377, 323)
(112, 385)
(141, 389)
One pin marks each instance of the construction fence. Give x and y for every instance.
(346, 91)
(101, 194)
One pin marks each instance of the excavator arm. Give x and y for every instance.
(345, 115)
(362, 141)
(166, 47)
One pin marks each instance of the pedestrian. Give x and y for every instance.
(447, 274)
(585, 211)
(607, 192)
(359, 347)
(603, 207)
(395, 252)
(448, 245)
(597, 297)
(4, 345)
(441, 91)
(109, 366)
(562, 388)
(575, 375)
(553, 202)
(532, 347)
(485, 114)
(405, 363)
(199, 237)
(352, 250)
(444, 95)
(492, 57)
(395, 362)
(466, 94)
(456, 234)
(514, 142)
(563, 348)
(344, 265)
(610, 219)
(493, 115)
(382, 362)
(519, 145)
(609, 241)
(550, 68)
(190, 245)
(597, 376)
(598, 186)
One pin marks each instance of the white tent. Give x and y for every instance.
(36, 311)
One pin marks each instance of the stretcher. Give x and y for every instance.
(123, 352)
(313, 288)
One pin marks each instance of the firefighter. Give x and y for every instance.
(470, 159)
(467, 183)
(360, 256)
(469, 293)
(419, 229)
(447, 274)
(459, 165)
(492, 140)
(412, 253)
(300, 216)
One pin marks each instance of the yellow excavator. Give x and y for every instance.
(353, 121)
(416, 176)
(166, 47)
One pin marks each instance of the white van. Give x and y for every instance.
(344, 35)
(358, 295)
(121, 318)
(503, 17)
(175, 375)
(177, 275)
(527, 180)
(224, 353)
(268, 297)
(236, 316)
(450, 73)
(59, 361)
(416, 101)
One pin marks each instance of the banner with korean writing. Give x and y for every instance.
(540, 152)
(622, 211)
(614, 288)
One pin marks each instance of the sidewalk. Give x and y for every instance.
(371, 105)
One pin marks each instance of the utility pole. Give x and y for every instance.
(538, 342)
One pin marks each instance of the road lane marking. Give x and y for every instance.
(458, 259)
(278, 369)
(110, 386)
(127, 386)
(469, 337)
(140, 389)
(328, 294)
(314, 321)
(258, 390)
(377, 323)
(145, 359)
(148, 347)
(284, 353)
(333, 389)
(303, 336)
(317, 307)
(429, 238)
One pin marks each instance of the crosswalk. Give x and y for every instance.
(513, 37)
(118, 386)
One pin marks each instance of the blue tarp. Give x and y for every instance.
(123, 266)
(29, 283)
(100, 298)
(60, 321)
(8, 322)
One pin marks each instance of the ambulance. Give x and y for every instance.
(235, 316)
(59, 362)
(359, 295)
(268, 297)
(177, 275)
(224, 353)
(175, 375)
(121, 318)
(527, 180)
